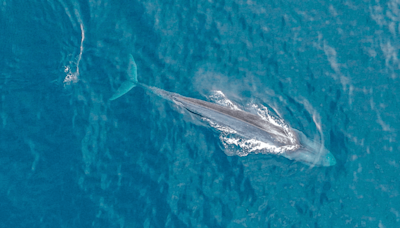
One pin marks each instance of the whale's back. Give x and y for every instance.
(278, 133)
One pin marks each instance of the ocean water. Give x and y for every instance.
(71, 158)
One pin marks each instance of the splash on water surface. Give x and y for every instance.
(235, 144)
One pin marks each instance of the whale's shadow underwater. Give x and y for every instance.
(284, 141)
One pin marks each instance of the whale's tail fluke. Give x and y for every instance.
(130, 82)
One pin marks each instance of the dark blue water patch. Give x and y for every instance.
(49, 186)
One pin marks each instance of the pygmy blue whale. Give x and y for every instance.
(247, 125)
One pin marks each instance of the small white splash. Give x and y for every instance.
(220, 98)
(266, 115)
(237, 145)
(73, 77)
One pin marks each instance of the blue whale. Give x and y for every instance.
(245, 124)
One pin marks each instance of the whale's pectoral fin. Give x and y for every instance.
(130, 82)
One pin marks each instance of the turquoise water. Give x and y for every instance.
(71, 158)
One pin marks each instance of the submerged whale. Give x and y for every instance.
(247, 125)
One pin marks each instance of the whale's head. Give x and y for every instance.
(311, 153)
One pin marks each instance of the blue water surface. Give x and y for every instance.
(71, 158)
